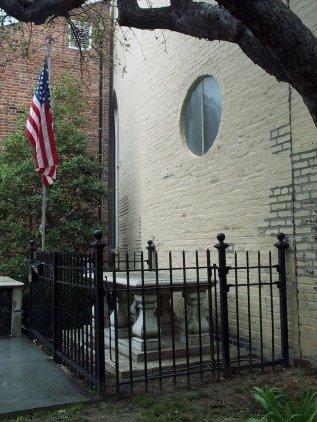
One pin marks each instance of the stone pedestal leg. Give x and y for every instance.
(145, 333)
(167, 314)
(134, 311)
(193, 321)
(122, 318)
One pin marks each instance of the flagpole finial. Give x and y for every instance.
(49, 39)
(97, 235)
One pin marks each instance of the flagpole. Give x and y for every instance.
(43, 224)
(49, 40)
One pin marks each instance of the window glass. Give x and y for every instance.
(80, 35)
(203, 113)
(193, 121)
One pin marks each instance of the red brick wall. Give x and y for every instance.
(19, 76)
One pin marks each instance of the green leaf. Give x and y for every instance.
(281, 408)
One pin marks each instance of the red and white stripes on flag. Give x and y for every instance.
(39, 130)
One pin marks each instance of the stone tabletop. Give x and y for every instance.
(9, 282)
(135, 279)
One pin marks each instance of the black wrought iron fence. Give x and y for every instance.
(119, 261)
(146, 338)
(192, 314)
(195, 316)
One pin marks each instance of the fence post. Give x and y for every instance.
(56, 310)
(98, 246)
(150, 252)
(224, 325)
(31, 250)
(281, 246)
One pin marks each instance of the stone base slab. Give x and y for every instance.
(121, 332)
(166, 363)
(138, 344)
(137, 349)
(194, 339)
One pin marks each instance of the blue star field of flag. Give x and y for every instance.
(42, 92)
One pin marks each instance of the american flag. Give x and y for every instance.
(39, 130)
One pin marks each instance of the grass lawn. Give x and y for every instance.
(225, 400)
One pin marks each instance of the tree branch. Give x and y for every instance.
(200, 20)
(38, 11)
(267, 31)
(289, 40)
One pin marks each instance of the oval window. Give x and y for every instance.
(203, 112)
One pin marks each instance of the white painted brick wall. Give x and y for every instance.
(243, 186)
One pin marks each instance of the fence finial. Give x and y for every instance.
(221, 245)
(150, 243)
(151, 250)
(221, 237)
(98, 235)
(32, 245)
(281, 241)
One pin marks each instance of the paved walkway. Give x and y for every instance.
(29, 379)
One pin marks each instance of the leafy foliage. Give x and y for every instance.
(280, 407)
(72, 200)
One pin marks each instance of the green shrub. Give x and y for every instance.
(279, 407)
(73, 199)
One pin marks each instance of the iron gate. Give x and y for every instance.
(66, 308)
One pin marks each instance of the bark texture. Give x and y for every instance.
(267, 31)
(38, 11)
